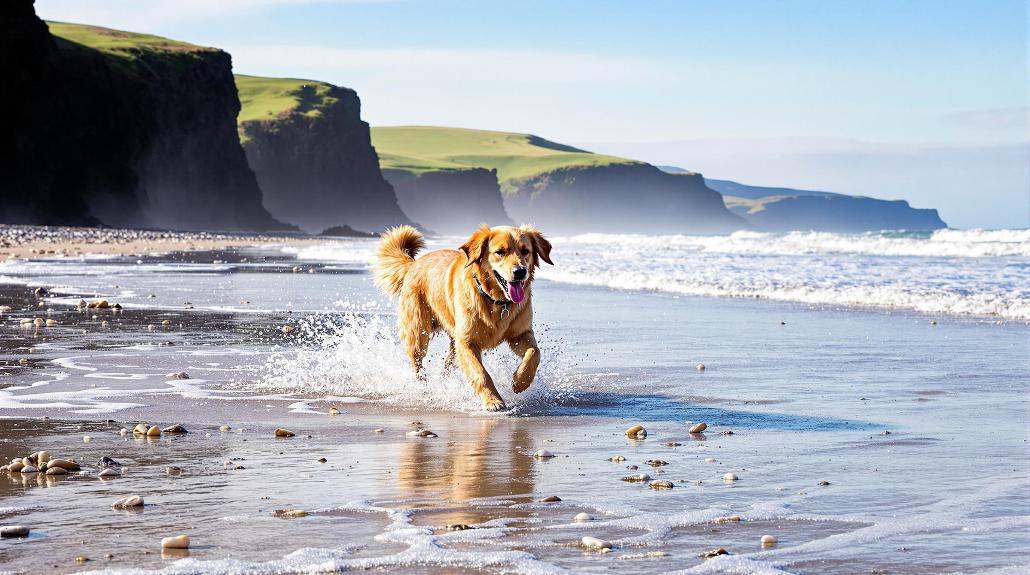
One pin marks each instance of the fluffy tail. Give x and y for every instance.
(397, 250)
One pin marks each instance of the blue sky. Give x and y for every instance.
(925, 101)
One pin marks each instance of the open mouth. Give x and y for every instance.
(516, 290)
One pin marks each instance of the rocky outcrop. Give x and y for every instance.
(619, 198)
(316, 164)
(787, 209)
(452, 202)
(144, 136)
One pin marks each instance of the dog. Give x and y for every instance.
(479, 294)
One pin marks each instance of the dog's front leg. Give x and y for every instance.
(471, 361)
(525, 347)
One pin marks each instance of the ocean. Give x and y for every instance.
(868, 391)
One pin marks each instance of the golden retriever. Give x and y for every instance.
(481, 295)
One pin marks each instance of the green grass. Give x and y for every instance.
(271, 98)
(515, 156)
(753, 205)
(117, 42)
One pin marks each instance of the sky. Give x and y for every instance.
(925, 101)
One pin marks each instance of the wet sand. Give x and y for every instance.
(866, 402)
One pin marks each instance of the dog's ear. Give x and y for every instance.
(540, 244)
(476, 245)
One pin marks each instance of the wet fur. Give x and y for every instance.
(438, 293)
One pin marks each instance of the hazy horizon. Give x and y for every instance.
(926, 103)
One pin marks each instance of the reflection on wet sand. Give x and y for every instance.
(490, 463)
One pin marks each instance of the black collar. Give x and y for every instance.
(504, 303)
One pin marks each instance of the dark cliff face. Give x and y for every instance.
(452, 202)
(846, 214)
(322, 171)
(147, 139)
(621, 198)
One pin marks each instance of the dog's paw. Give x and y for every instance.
(494, 405)
(520, 386)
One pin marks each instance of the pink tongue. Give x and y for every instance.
(517, 292)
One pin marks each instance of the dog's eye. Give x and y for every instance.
(499, 252)
(525, 251)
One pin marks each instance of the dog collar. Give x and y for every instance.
(504, 303)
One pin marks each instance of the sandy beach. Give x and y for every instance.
(847, 430)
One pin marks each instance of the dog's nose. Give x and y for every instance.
(519, 274)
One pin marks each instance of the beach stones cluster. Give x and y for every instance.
(41, 462)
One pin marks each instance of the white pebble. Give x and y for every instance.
(583, 517)
(768, 540)
(699, 427)
(109, 472)
(596, 543)
(729, 477)
(177, 542)
(543, 454)
(86, 439)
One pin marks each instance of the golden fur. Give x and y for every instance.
(438, 293)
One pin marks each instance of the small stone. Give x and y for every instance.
(287, 328)
(727, 519)
(131, 501)
(636, 432)
(617, 459)
(8, 531)
(700, 367)
(280, 432)
(710, 460)
(289, 513)
(123, 431)
(595, 543)
(177, 542)
(140, 429)
(551, 499)
(700, 427)
(334, 411)
(583, 517)
(713, 553)
(656, 462)
(459, 527)
(56, 471)
(178, 375)
(63, 463)
(105, 323)
(175, 429)
(824, 483)
(166, 322)
(639, 478)
(632, 467)
(379, 430)
(173, 470)
(543, 454)
(30, 469)
(671, 444)
(109, 472)
(51, 322)
(661, 485)
(224, 428)
(154, 431)
(82, 558)
(86, 439)
(421, 433)
(322, 460)
(729, 477)
(768, 541)
(39, 322)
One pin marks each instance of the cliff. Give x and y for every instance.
(450, 202)
(558, 187)
(787, 209)
(122, 129)
(312, 154)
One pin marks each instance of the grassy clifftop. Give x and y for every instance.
(118, 42)
(271, 98)
(419, 149)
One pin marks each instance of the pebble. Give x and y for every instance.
(699, 427)
(166, 322)
(379, 430)
(617, 459)
(56, 471)
(551, 499)
(224, 428)
(824, 483)
(29, 469)
(595, 543)
(65, 463)
(729, 477)
(727, 519)
(177, 542)
(86, 439)
(459, 527)
(178, 375)
(128, 502)
(700, 367)
(421, 433)
(175, 429)
(14, 531)
(710, 460)
(636, 432)
(140, 429)
(289, 513)
(123, 431)
(39, 322)
(173, 470)
(334, 411)
(543, 454)
(583, 517)
(661, 485)
(671, 444)
(768, 541)
(322, 460)
(280, 432)
(109, 472)
(656, 462)
(51, 322)
(713, 553)
(287, 328)
(639, 478)
(154, 431)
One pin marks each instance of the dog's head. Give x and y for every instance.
(507, 255)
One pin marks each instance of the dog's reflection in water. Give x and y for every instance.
(493, 461)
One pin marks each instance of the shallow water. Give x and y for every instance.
(920, 428)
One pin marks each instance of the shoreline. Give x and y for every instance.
(36, 242)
